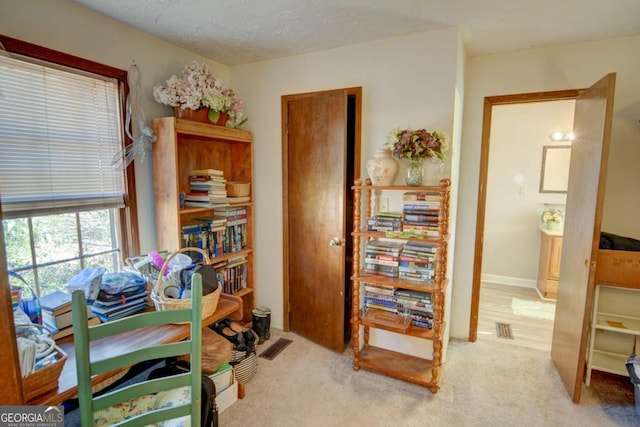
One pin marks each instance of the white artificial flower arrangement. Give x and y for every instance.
(199, 88)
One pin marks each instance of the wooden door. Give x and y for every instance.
(587, 175)
(314, 158)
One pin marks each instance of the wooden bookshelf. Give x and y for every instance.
(424, 371)
(182, 146)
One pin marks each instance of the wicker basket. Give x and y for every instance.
(46, 379)
(162, 302)
(238, 189)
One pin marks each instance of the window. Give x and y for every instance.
(64, 206)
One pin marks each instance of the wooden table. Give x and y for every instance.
(228, 306)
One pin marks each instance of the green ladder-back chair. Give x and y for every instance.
(83, 335)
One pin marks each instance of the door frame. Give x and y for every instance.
(489, 103)
(356, 93)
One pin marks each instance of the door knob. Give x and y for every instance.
(335, 242)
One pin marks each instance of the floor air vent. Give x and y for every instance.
(275, 348)
(503, 330)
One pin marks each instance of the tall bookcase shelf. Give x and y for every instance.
(426, 370)
(184, 145)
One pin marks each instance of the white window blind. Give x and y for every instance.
(59, 132)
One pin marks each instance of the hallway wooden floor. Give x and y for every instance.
(530, 317)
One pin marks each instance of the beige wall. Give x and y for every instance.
(68, 27)
(552, 68)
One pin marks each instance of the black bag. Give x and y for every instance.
(209, 412)
(209, 278)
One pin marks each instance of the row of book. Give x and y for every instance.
(410, 260)
(390, 299)
(232, 274)
(207, 189)
(420, 215)
(223, 233)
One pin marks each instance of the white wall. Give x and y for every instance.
(68, 27)
(513, 206)
(406, 82)
(552, 68)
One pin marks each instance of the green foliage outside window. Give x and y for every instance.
(58, 254)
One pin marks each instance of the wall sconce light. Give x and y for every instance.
(561, 136)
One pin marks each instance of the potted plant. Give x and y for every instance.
(552, 218)
(199, 90)
(417, 145)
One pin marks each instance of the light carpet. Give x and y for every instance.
(483, 384)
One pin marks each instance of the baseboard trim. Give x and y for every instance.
(509, 281)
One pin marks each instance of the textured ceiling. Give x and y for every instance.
(235, 32)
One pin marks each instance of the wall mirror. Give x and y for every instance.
(554, 176)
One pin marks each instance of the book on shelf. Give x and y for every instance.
(193, 197)
(421, 247)
(380, 289)
(61, 320)
(211, 221)
(239, 199)
(377, 261)
(421, 217)
(231, 212)
(384, 246)
(375, 306)
(56, 302)
(417, 208)
(214, 172)
(208, 205)
(415, 277)
(379, 296)
(428, 272)
(382, 256)
(425, 264)
(389, 214)
(421, 196)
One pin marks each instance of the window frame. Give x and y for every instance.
(128, 216)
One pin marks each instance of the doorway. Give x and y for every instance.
(517, 300)
(321, 160)
(516, 186)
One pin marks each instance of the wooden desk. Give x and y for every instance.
(228, 306)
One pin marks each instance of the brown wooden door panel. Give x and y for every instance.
(587, 174)
(316, 165)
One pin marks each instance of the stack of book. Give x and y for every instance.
(114, 306)
(420, 305)
(382, 257)
(421, 212)
(385, 221)
(207, 189)
(57, 315)
(417, 261)
(380, 297)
